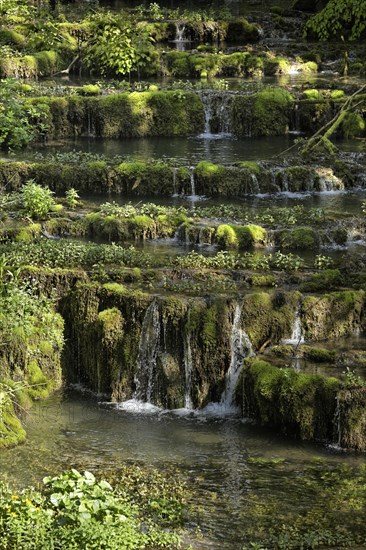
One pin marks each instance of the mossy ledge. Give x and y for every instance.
(30, 355)
(148, 178)
(297, 404)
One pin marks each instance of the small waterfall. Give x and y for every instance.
(148, 349)
(180, 29)
(188, 369)
(180, 40)
(241, 348)
(329, 181)
(297, 337)
(216, 107)
(192, 197)
(255, 183)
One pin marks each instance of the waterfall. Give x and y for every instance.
(255, 186)
(297, 333)
(148, 349)
(180, 39)
(240, 347)
(188, 368)
(193, 197)
(329, 181)
(180, 29)
(216, 106)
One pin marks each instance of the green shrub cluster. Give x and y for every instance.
(76, 510)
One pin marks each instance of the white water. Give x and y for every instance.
(216, 104)
(297, 332)
(241, 348)
(146, 359)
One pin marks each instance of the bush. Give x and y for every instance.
(38, 201)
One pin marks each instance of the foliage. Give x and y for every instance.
(76, 510)
(345, 19)
(38, 201)
(116, 45)
(20, 122)
(72, 198)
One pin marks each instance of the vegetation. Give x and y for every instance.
(76, 510)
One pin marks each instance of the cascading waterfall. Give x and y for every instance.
(148, 349)
(241, 347)
(329, 181)
(297, 332)
(216, 107)
(180, 39)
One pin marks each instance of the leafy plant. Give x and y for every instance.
(72, 198)
(38, 201)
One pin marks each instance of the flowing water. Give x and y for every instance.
(227, 464)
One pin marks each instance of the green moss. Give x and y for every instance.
(11, 429)
(226, 236)
(89, 90)
(300, 238)
(116, 288)
(353, 125)
(250, 236)
(318, 355)
(240, 30)
(328, 279)
(276, 66)
(209, 334)
(252, 166)
(298, 404)
(38, 385)
(332, 315)
(337, 94)
(12, 37)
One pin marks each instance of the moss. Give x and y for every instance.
(116, 288)
(301, 405)
(209, 327)
(351, 420)
(353, 125)
(250, 236)
(300, 238)
(254, 167)
(240, 30)
(89, 90)
(318, 355)
(328, 279)
(337, 94)
(12, 37)
(29, 233)
(38, 385)
(264, 280)
(11, 429)
(268, 317)
(276, 66)
(226, 236)
(332, 315)
(264, 113)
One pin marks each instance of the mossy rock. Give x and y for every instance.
(11, 429)
(300, 238)
(240, 30)
(318, 355)
(332, 315)
(301, 405)
(328, 279)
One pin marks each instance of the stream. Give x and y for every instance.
(229, 465)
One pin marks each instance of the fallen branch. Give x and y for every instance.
(67, 71)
